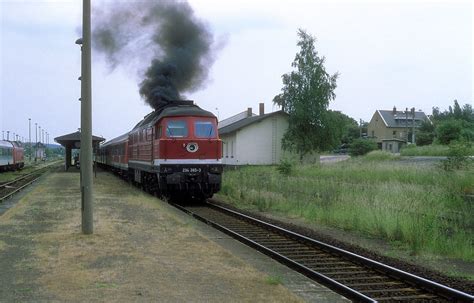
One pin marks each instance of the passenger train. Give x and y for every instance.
(174, 151)
(11, 155)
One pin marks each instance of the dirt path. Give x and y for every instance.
(140, 252)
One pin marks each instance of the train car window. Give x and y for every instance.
(149, 134)
(176, 129)
(204, 129)
(158, 132)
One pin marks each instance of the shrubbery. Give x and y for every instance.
(458, 156)
(285, 167)
(360, 147)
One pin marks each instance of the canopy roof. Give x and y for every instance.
(72, 138)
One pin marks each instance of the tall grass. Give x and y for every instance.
(417, 207)
(428, 150)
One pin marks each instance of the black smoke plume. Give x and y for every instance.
(179, 44)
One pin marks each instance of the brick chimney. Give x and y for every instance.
(249, 112)
(394, 110)
(261, 109)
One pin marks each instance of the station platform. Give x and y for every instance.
(142, 250)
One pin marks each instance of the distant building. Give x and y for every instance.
(40, 151)
(253, 139)
(393, 124)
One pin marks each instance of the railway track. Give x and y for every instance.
(356, 277)
(8, 189)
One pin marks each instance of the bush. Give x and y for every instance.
(448, 131)
(285, 167)
(458, 156)
(361, 147)
(378, 155)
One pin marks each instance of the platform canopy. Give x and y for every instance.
(73, 141)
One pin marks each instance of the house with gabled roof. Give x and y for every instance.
(396, 126)
(250, 139)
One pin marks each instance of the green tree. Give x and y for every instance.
(449, 130)
(305, 97)
(426, 133)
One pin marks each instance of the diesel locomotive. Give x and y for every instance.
(174, 151)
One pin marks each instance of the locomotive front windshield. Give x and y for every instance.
(176, 129)
(204, 129)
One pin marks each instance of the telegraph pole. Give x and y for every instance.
(406, 123)
(86, 121)
(29, 135)
(36, 139)
(413, 124)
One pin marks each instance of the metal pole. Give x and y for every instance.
(86, 121)
(29, 136)
(36, 139)
(413, 124)
(8, 135)
(406, 123)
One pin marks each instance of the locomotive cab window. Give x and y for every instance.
(204, 129)
(176, 129)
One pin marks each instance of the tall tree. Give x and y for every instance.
(305, 97)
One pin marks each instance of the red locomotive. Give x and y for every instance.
(11, 155)
(173, 151)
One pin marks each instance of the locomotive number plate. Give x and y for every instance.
(191, 170)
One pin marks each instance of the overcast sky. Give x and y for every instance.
(398, 53)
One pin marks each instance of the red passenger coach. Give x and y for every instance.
(11, 155)
(174, 150)
(114, 154)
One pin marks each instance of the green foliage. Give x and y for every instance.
(273, 280)
(285, 167)
(426, 133)
(419, 208)
(344, 129)
(378, 155)
(305, 97)
(427, 150)
(457, 123)
(361, 147)
(458, 156)
(449, 130)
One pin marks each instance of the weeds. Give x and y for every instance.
(273, 280)
(405, 204)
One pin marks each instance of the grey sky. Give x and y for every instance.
(403, 53)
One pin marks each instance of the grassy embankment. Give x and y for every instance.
(429, 150)
(30, 166)
(422, 209)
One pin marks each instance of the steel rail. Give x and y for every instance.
(405, 276)
(340, 288)
(422, 283)
(38, 173)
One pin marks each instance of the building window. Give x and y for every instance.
(394, 133)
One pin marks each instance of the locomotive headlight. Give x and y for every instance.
(192, 147)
